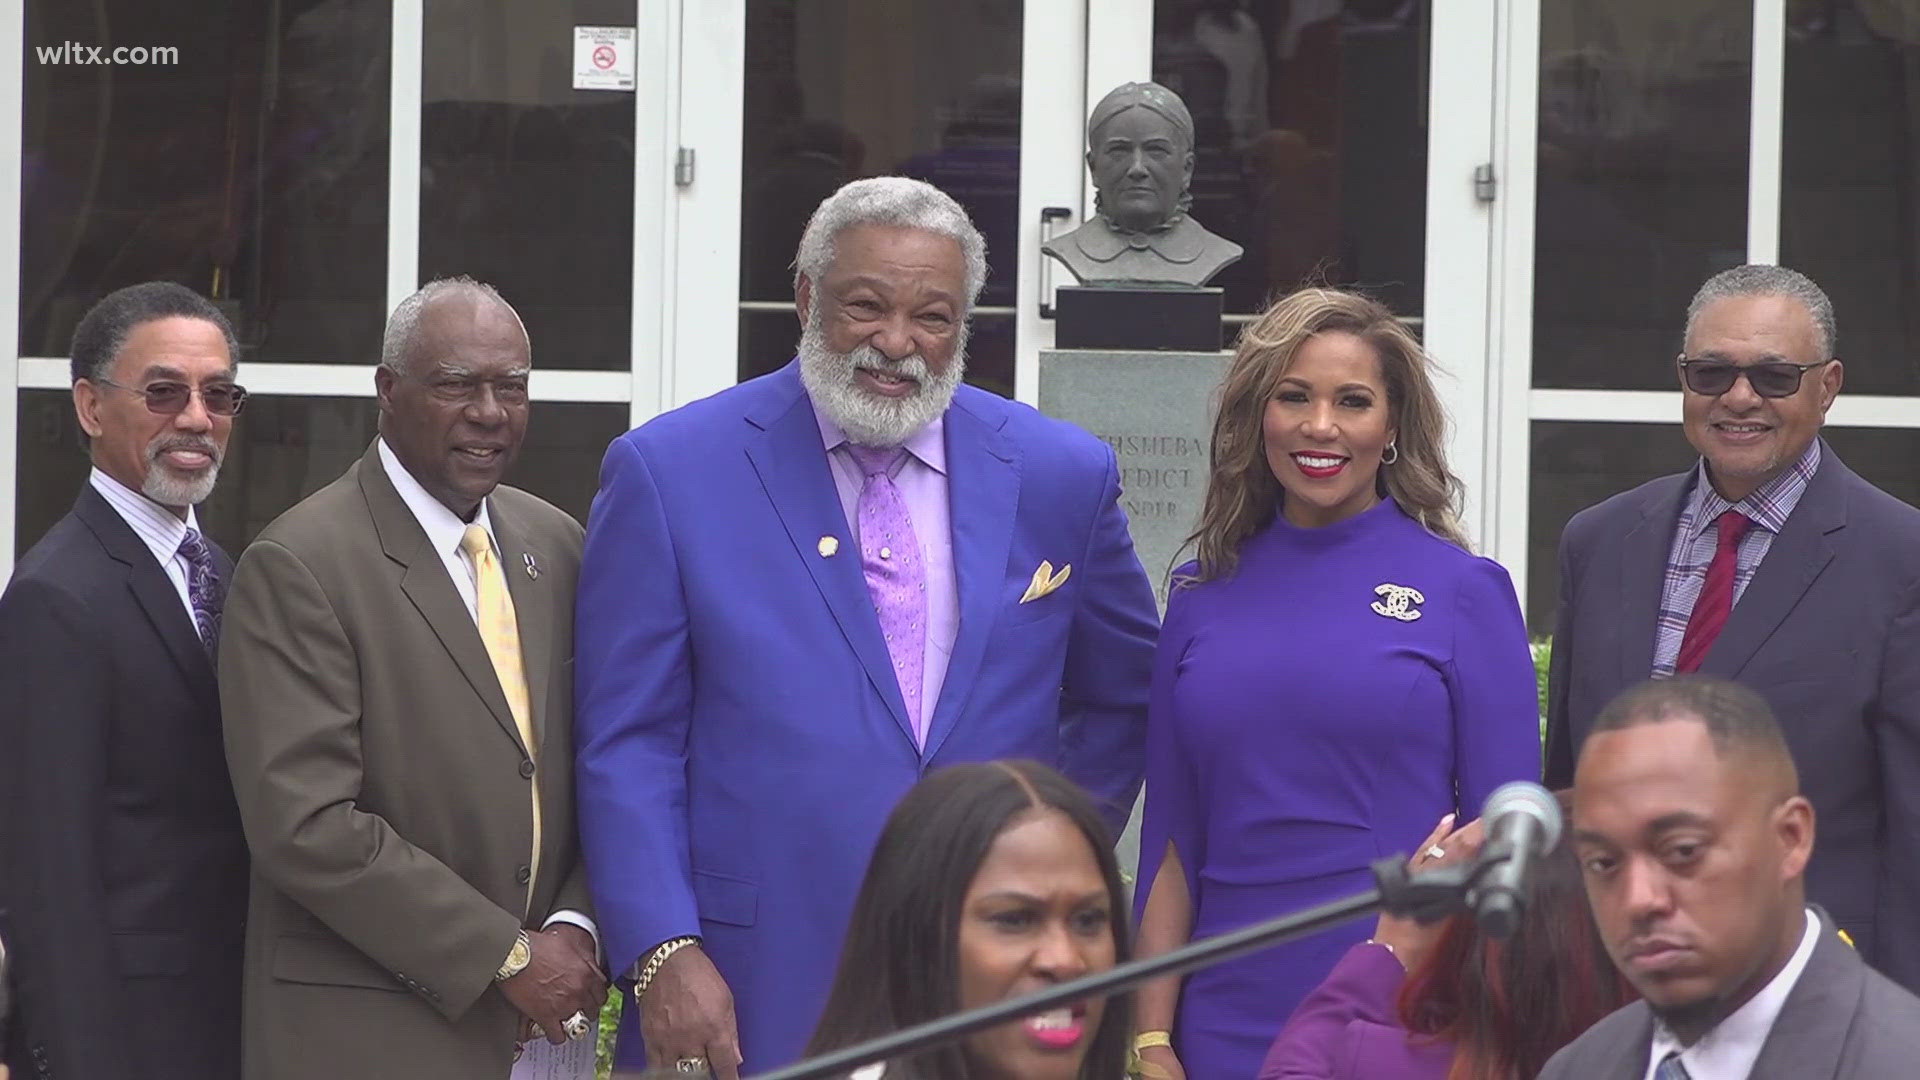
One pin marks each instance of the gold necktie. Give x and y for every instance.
(500, 633)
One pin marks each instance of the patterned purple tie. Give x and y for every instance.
(896, 576)
(203, 589)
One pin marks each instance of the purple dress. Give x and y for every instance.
(1347, 1029)
(1320, 709)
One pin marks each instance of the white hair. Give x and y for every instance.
(831, 380)
(1759, 279)
(397, 342)
(889, 200)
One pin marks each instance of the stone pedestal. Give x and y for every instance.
(1156, 410)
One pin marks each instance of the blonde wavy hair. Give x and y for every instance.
(1242, 493)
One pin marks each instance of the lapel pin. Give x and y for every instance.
(533, 568)
(829, 545)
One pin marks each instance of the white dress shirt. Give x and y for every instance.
(1729, 1050)
(444, 531)
(157, 526)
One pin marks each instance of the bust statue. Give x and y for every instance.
(1140, 152)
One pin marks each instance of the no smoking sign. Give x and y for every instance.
(603, 58)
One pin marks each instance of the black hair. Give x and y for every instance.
(900, 965)
(104, 329)
(1736, 718)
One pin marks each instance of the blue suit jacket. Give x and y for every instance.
(1828, 631)
(741, 737)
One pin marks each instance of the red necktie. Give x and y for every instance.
(1710, 611)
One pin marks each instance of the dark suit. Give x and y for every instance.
(1841, 1020)
(125, 872)
(385, 788)
(1828, 631)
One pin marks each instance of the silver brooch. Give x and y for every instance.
(533, 568)
(1397, 602)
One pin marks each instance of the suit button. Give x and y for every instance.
(523, 875)
(526, 770)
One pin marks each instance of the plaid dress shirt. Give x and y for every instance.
(1694, 539)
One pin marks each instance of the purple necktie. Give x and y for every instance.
(896, 576)
(203, 588)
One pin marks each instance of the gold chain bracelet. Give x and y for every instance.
(655, 961)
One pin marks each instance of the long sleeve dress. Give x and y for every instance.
(1347, 1029)
(1319, 709)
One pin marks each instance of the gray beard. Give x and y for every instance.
(163, 486)
(867, 418)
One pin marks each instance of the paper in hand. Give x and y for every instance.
(571, 1060)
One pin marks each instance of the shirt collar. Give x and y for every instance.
(1766, 506)
(443, 527)
(1734, 1044)
(1177, 241)
(929, 444)
(158, 527)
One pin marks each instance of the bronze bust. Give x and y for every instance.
(1140, 152)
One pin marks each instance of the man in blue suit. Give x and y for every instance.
(802, 594)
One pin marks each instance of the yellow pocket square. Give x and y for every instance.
(1045, 581)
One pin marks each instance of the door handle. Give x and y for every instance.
(1048, 216)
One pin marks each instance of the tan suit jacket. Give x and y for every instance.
(383, 785)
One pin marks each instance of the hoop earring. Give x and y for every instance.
(1393, 453)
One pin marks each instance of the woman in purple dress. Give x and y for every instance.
(1335, 672)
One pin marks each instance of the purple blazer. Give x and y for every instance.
(1346, 1029)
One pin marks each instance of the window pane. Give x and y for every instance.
(841, 89)
(1850, 189)
(525, 182)
(1311, 130)
(1888, 458)
(286, 448)
(1642, 181)
(1575, 465)
(253, 170)
(1579, 463)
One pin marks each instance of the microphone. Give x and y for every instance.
(1522, 822)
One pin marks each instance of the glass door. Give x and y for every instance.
(782, 101)
(1338, 141)
(1346, 142)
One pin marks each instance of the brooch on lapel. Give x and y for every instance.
(533, 568)
(1045, 581)
(829, 545)
(1397, 602)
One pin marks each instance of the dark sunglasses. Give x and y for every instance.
(1773, 379)
(171, 398)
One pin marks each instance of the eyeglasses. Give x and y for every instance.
(171, 398)
(1773, 379)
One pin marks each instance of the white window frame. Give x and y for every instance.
(643, 387)
(1517, 404)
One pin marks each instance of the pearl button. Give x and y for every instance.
(886, 553)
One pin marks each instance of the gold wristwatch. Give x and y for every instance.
(517, 959)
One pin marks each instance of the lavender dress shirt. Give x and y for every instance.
(921, 477)
(1347, 1028)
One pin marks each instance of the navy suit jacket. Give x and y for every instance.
(741, 736)
(1828, 631)
(123, 868)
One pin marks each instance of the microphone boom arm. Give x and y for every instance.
(1427, 897)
